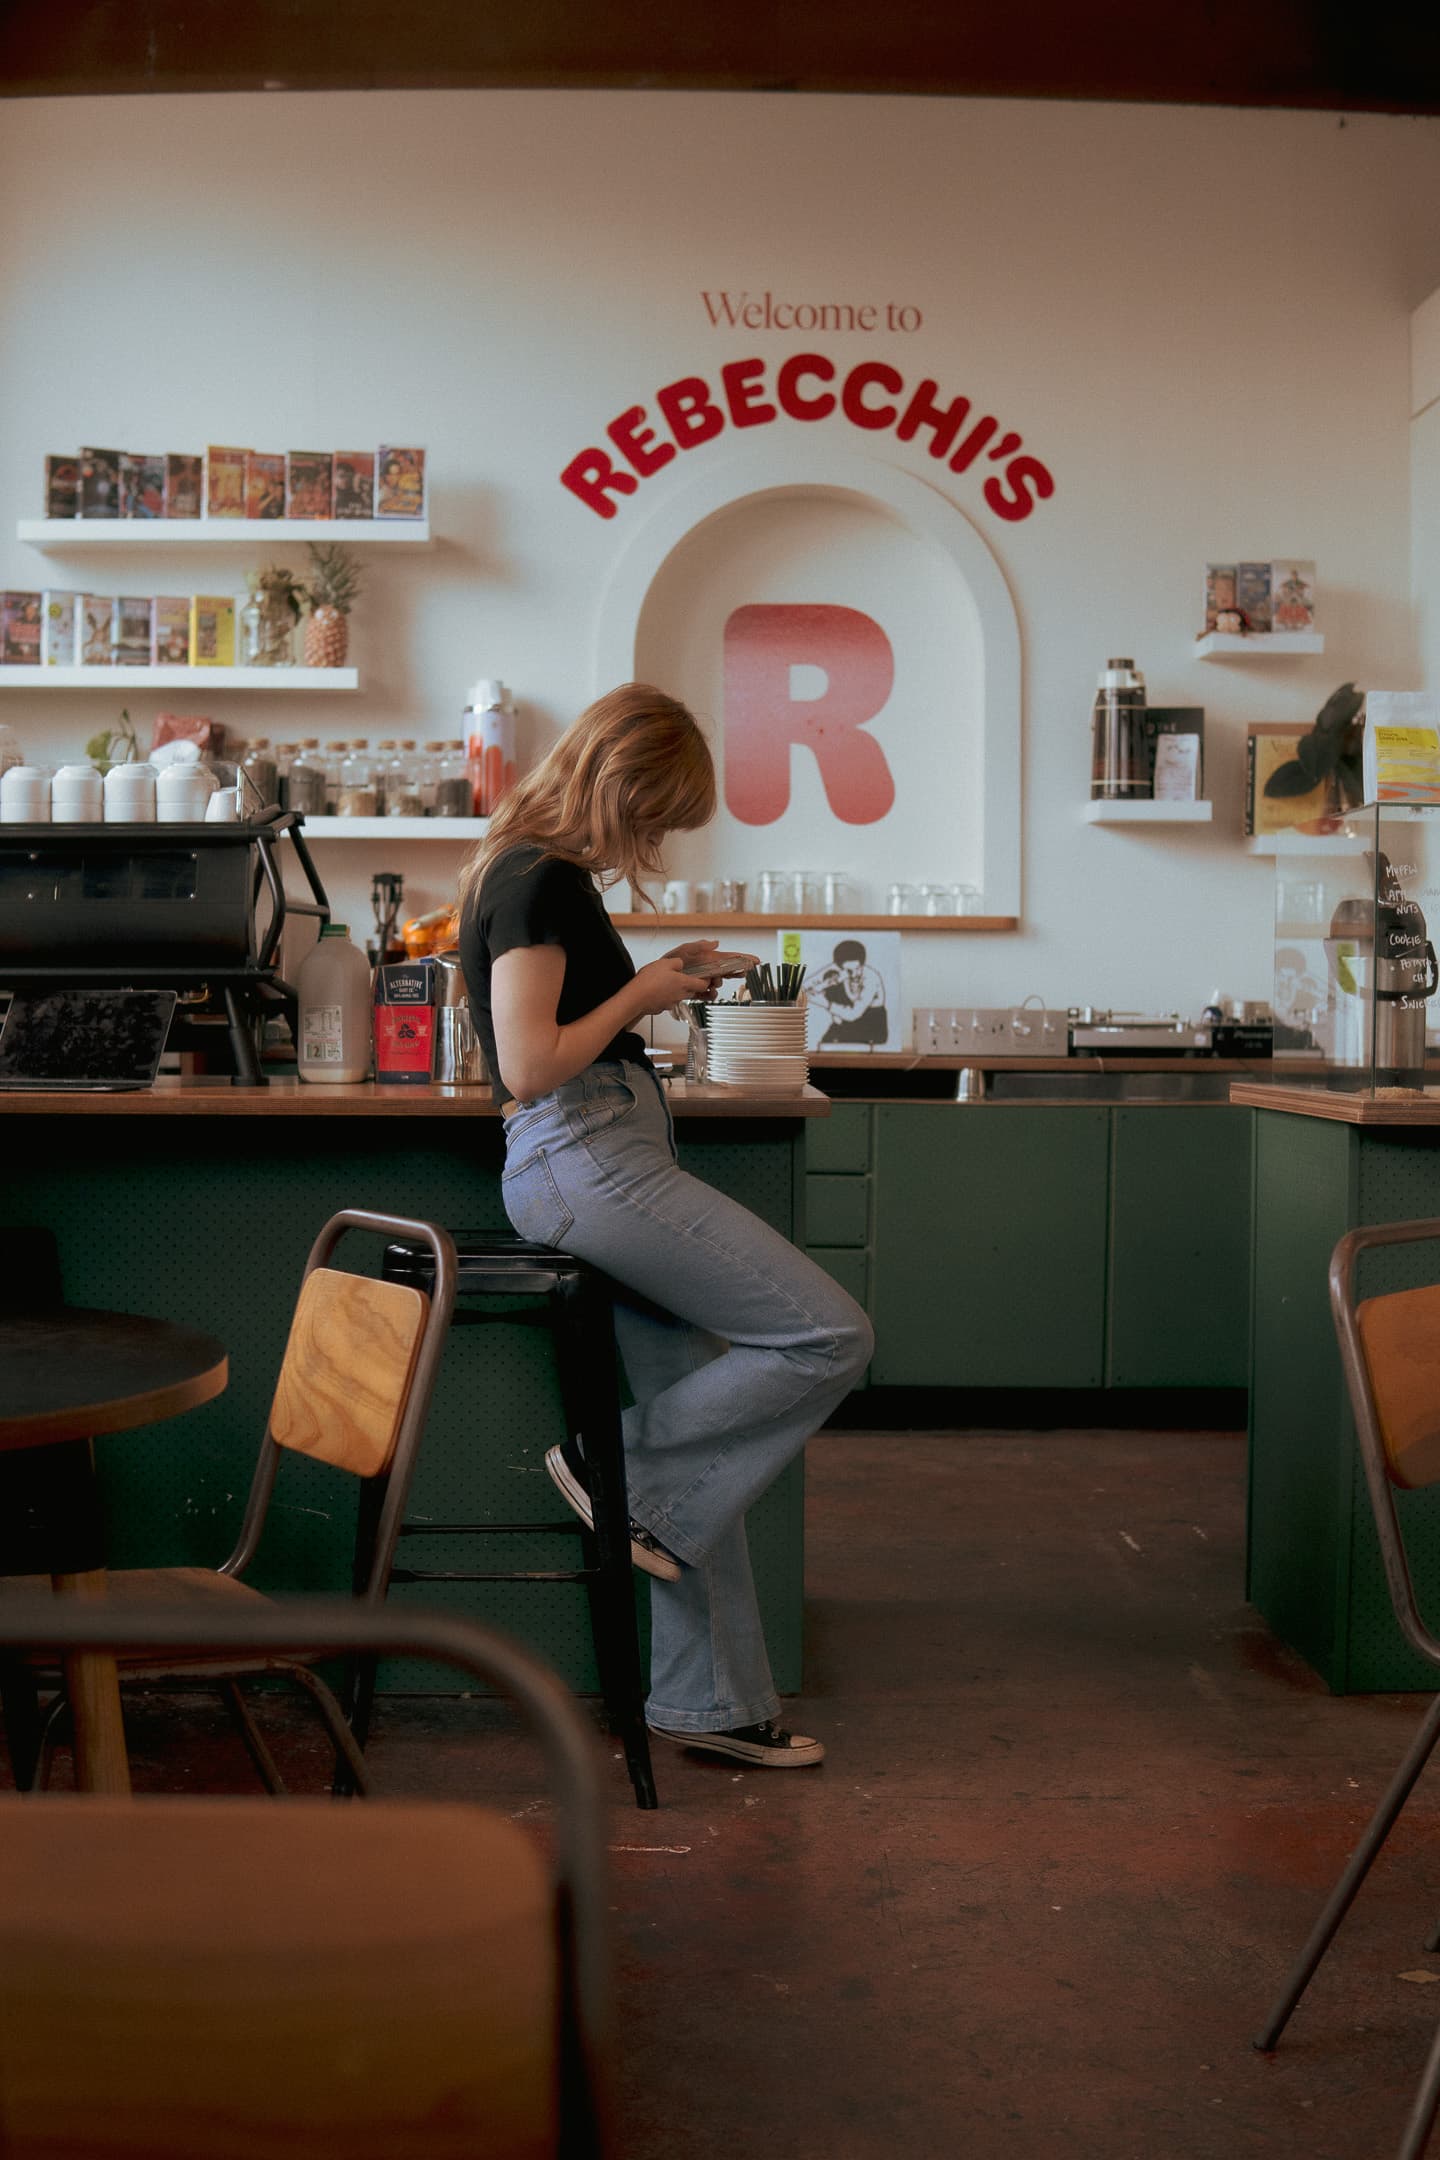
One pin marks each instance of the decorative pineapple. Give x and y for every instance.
(332, 590)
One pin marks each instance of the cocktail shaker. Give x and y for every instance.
(459, 1059)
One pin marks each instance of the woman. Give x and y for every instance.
(736, 1347)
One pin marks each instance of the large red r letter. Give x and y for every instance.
(763, 719)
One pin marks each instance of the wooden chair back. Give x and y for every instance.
(349, 1362)
(254, 1981)
(1400, 1337)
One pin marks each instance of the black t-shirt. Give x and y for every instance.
(528, 898)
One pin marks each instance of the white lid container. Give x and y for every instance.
(130, 795)
(77, 796)
(25, 795)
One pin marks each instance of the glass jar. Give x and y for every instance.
(430, 758)
(335, 756)
(259, 778)
(306, 784)
(359, 787)
(285, 755)
(267, 625)
(401, 784)
(454, 788)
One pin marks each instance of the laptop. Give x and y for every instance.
(73, 1041)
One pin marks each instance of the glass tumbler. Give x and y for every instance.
(802, 892)
(772, 888)
(834, 892)
(900, 900)
(730, 896)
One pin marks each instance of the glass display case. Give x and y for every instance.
(1355, 978)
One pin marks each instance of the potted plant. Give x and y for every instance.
(1328, 756)
(113, 746)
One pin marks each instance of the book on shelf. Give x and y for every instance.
(212, 630)
(92, 629)
(1271, 769)
(170, 644)
(309, 481)
(184, 484)
(132, 630)
(399, 483)
(1292, 595)
(225, 481)
(20, 614)
(1252, 596)
(62, 487)
(99, 484)
(353, 494)
(264, 484)
(142, 485)
(1219, 591)
(1177, 751)
(1400, 752)
(57, 629)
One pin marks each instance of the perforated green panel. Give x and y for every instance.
(208, 1221)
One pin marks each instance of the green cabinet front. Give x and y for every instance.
(1179, 1287)
(989, 1246)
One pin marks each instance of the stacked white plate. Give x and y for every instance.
(758, 1049)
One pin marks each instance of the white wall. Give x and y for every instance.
(1199, 319)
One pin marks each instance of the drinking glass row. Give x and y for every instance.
(809, 892)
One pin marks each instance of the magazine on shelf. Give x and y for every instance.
(212, 630)
(1269, 746)
(57, 629)
(132, 629)
(1400, 754)
(184, 484)
(20, 629)
(399, 483)
(62, 487)
(1292, 595)
(1252, 596)
(99, 484)
(225, 482)
(170, 645)
(354, 487)
(92, 629)
(264, 483)
(142, 485)
(309, 478)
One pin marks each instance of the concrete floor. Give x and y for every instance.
(1078, 1812)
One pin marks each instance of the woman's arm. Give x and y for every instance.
(536, 1053)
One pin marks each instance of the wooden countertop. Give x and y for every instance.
(903, 1061)
(294, 1098)
(1319, 1102)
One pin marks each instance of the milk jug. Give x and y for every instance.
(333, 989)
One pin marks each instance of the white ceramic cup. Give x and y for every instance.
(130, 795)
(677, 897)
(222, 808)
(25, 795)
(77, 796)
(182, 795)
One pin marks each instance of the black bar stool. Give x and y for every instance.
(578, 1312)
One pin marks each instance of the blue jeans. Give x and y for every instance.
(735, 1345)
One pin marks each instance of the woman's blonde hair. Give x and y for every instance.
(633, 767)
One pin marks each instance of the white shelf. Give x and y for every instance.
(1264, 645)
(74, 533)
(458, 830)
(179, 678)
(1299, 843)
(1146, 811)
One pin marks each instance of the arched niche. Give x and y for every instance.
(789, 524)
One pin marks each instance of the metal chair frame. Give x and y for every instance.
(382, 1509)
(1344, 1264)
(314, 1628)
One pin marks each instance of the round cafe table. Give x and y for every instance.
(68, 1375)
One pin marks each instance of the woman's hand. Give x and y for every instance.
(669, 981)
(692, 954)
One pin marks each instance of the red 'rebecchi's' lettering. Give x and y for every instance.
(636, 442)
(922, 411)
(695, 413)
(747, 407)
(858, 381)
(788, 392)
(763, 720)
(692, 417)
(1022, 474)
(591, 475)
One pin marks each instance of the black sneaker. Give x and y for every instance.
(765, 1747)
(566, 1466)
